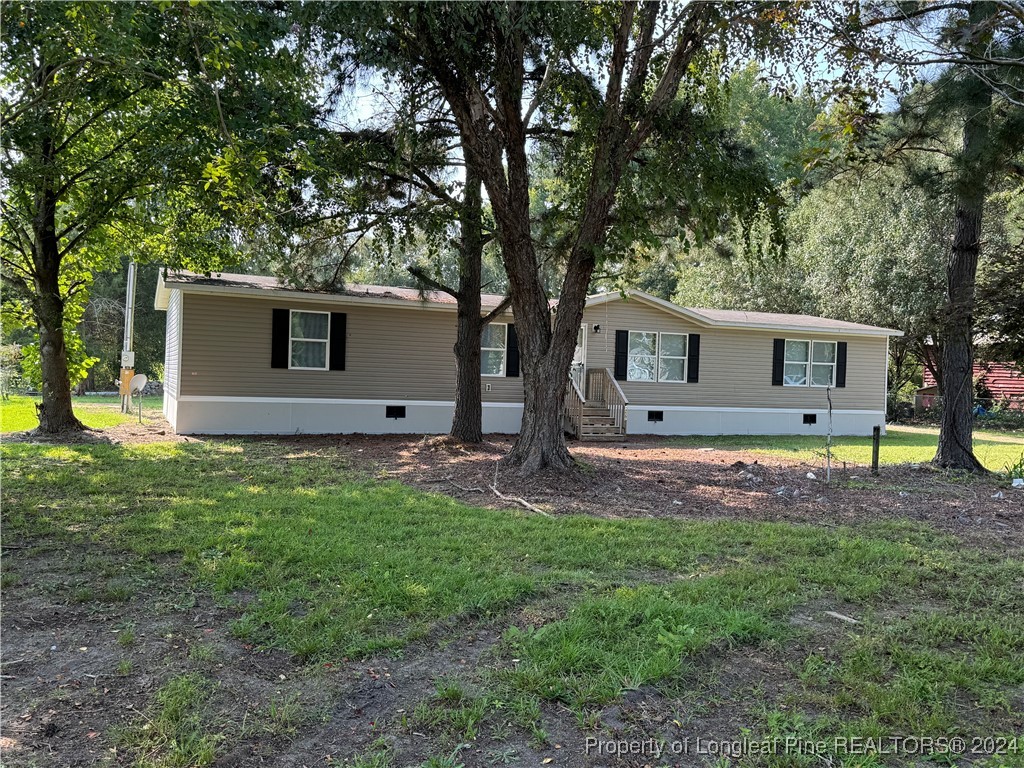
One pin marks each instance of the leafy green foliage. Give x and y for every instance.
(102, 325)
(112, 113)
(778, 126)
(1001, 275)
(11, 380)
(79, 362)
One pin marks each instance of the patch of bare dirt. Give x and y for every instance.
(154, 429)
(651, 478)
(80, 665)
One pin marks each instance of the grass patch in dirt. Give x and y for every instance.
(18, 413)
(899, 446)
(327, 564)
(173, 733)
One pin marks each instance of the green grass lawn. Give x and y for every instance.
(19, 412)
(334, 565)
(899, 446)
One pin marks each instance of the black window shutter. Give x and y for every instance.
(841, 364)
(337, 351)
(621, 354)
(778, 361)
(279, 339)
(693, 359)
(512, 353)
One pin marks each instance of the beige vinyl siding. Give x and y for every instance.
(392, 353)
(735, 364)
(172, 349)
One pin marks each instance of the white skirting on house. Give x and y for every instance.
(692, 420)
(171, 409)
(215, 415)
(192, 414)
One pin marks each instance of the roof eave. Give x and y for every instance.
(654, 301)
(162, 298)
(815, 329)
(324, 298)
(701, 319)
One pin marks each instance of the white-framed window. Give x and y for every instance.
(653, 356)
(809, 363)
(308, 340)
(642, 356)
(493, 349)
(672, 357)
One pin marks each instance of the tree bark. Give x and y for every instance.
(467, 422)
(955, 450)
(956, 426)
(56, 413)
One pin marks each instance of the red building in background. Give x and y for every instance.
(997, 382)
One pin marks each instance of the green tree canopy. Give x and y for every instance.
(131, 128)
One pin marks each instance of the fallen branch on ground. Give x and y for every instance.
(519, 500)
(448, 479)
(516, 499)
(466, 489)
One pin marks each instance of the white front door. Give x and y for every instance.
(579, 355)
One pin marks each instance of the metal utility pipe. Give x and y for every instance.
(129, 332)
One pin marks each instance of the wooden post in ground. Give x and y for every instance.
(876, 438)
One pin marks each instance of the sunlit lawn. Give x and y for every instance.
(332, 564)
(899, 446)
(19, 412)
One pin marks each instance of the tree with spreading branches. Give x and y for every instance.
(618, 89)
(117, 118)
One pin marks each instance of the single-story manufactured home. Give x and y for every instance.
(248, 354)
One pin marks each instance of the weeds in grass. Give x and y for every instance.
(9, 579)
(124, 667)
(379, 755)
(173, 734)
(116, 593)
(506, 756)
(1015, 469)
(452, 714)
(446, 761)
(126, 636)
(285, 714)
(203, 653)
(449, 690)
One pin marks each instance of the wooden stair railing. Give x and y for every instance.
(616, 401)
(572, 411)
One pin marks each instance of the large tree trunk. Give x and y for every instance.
(467, 422)
(55, 413)
(956, 426)
(955, 432)
(545, 350)
(495, 145)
